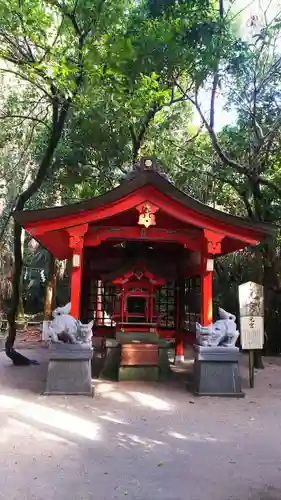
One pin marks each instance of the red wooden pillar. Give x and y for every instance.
(179, 349)
(76, 243)
(206, 298)
(122, 307)
(151, 306)
(212, 247)
(178, 312)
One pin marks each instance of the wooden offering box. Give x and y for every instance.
(139, 361)
(139, 354)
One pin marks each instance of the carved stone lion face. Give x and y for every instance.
(59, 311)
(86, 331)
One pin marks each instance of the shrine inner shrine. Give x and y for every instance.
(142, 254)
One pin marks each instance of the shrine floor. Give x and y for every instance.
(138, 441)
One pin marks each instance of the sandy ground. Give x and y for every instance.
(138, 441)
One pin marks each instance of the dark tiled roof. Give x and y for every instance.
(140, 177)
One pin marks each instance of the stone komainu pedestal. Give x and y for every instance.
(216, 371)
(69, 370)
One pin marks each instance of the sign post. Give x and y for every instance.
(251, 303)
(251, 369)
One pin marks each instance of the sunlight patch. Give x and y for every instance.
(57, 419)
(134, 440)
(150, 401)
(116, 396)
(104, 387)
(15, 429)
(194, 436)
(114, 420)
(177, 435)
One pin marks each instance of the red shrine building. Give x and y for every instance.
(142, 254)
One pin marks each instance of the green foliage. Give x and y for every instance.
(103, 82)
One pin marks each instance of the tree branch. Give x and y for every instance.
(70, 15)
(27, 79)
(138, 137)
(182, 147)
(212, 102)
(15, 49)
(221, 9)
(23, 117)
(247, 204)
(218, 149)
(18, 14)
(270, 184)
(5, 225)
(237, 14)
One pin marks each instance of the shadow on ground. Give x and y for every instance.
(138, 441)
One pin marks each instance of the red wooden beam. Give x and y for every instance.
(190, 240)
(124, 280)
(178, 211)
(170, 206)
(88, 216)
(76, 236)
(213, 242)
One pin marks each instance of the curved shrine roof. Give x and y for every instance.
(138, 178)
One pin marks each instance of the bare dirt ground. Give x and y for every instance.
(138, 441)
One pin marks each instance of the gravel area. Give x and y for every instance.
(138, 441)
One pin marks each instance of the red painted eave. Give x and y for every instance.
(47, 225)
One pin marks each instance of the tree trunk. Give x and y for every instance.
(20, 318)
(258, 362)
(50, 295)
(58, 125)
(16, 288)
(137, 138)
(270, 283)
(221, 8)
(20, 312)
(269, 279)
(17, 358)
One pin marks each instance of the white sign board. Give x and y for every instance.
(252, 332)
(251, 299)
(251, 304)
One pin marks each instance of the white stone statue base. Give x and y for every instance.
(216, 371)
(69, 370)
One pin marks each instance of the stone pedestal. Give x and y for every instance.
(216, 371)
(112, 360)
(3, 337)
(99, 355)
(69, 370)
(164, 364)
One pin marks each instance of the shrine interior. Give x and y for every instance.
(140, 286)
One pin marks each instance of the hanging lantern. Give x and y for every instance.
(76, 260)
